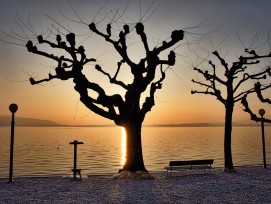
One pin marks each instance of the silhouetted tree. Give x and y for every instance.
(258, 89)
(229, 89)
(127, 112)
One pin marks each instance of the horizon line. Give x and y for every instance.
(49, 123)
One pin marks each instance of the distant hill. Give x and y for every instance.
(32, 122)
(20, 121)
(184, 125)
(243, 123)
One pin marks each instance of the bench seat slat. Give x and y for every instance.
(189, 165)
(191, 162)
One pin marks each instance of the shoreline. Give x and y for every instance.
(249, 184)
(160, 172)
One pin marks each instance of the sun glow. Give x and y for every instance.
(123, 146)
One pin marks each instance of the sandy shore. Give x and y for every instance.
(247, 185)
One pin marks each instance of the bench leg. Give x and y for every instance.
(169, 172)
(208, 170)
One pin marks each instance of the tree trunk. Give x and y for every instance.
(134, 157)
(228, 165)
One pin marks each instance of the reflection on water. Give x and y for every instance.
(123, 146)
(46, 151)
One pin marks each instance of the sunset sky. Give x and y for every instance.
(59, 102)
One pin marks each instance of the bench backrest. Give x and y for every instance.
(191, 162)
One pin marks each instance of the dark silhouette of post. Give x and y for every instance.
(13, 108)
(262, 112)
(75, 170)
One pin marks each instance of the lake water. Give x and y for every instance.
(46, 150)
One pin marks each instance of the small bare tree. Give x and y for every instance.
(230, 89)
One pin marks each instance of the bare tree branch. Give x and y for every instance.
(112, 80)
(259, 88)
(222, 61)
(250, 112)
(149, 101)
(258, 76)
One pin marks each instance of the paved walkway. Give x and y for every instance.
(247, 185)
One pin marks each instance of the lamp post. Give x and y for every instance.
(13, 108)
(262, 112)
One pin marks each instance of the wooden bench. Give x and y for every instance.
(189, 165)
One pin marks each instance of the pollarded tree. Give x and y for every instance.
(230, 88)
(127, 112)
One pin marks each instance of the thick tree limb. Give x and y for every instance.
(250, 112)
(140, 31)
(149, 101)
(259, 89)
(82, 86)
(222, 61)
(176, 36)
(81, 82)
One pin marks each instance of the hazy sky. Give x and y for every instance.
(58, 100)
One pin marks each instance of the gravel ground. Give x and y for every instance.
(246, 185)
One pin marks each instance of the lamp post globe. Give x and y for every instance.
(262, 112)
(13, 107)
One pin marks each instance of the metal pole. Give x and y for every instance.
(263, 141)
(75, 158)
(11, 150)
(13, 108)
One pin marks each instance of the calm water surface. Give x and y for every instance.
(46, 151)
